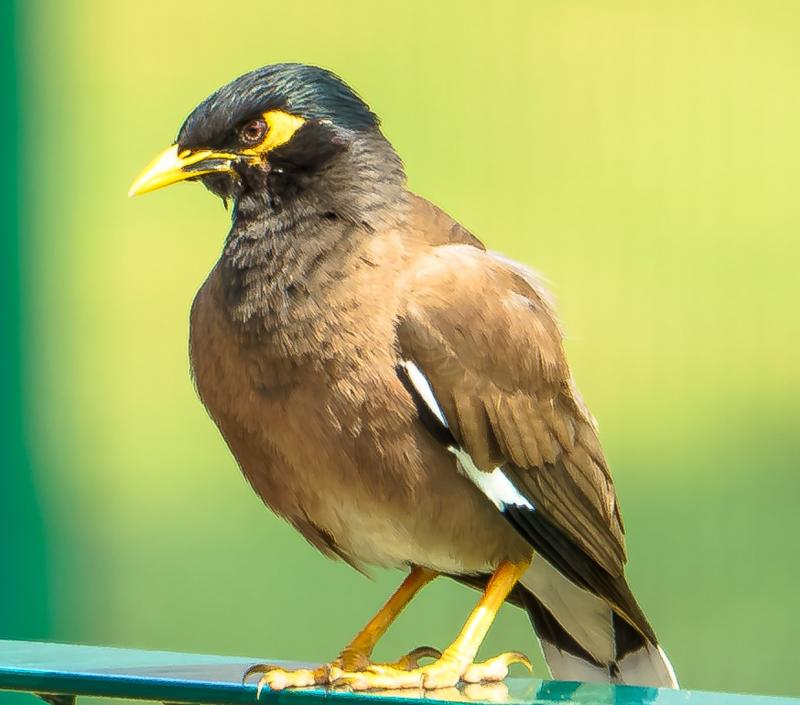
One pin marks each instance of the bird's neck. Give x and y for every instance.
(267, 272)
(295, 242)
(275, 277)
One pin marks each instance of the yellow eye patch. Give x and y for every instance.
(281, 127)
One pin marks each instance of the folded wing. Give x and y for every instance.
(482, 350)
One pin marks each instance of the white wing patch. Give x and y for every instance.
(495, 485)
(423, 387)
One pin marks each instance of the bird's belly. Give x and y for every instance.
(350, 466)
(388, 500)
(455, 532)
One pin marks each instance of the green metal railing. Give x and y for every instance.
(61, 672)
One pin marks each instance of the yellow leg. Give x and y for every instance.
(457, 661)
(355, 656)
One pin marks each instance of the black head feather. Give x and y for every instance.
(335, 181)
(311, 92)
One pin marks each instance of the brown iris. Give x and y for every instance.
(251, 133)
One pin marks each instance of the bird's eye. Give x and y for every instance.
(253, 132)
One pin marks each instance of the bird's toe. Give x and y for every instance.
(277, 678)
(494, 669)
(445, 672)
(379, 677)
(442, 673)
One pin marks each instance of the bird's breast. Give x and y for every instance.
(329, 438)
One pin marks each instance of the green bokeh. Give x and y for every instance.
(23, 571)
(643, 156)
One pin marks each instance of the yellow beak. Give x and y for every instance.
(170, 167)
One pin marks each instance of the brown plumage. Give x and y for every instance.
(323, 428)
(397, 393)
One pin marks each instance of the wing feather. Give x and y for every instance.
(482, 331)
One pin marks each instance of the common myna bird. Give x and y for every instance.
(398, 393)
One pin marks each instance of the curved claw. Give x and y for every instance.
(278, 678)
(411, 660)
(495, 669)
(263, 669)
(256, 668)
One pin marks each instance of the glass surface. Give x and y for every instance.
(195, 678)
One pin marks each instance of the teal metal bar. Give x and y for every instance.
(66, 670)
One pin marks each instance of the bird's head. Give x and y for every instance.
(279, 135)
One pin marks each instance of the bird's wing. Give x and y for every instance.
(481, 352)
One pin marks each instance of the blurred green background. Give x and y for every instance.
(644, 156)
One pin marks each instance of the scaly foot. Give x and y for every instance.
(356, 661)
(349, 663)
(445, 672)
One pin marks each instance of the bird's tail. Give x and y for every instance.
(583, 639)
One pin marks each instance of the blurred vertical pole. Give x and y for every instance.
(23, 573)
